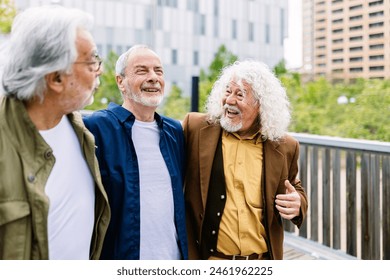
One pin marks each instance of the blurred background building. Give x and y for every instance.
(345, 39)
(186, 33)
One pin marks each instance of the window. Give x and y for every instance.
(376, 47)
(355, 18)
(251, 36)
(377, 68)
(354, 28)
(355, 49)
(357, 7)
(376, 3)
(202, 24)
(337, 51)
(355, 38)
(337, 41)
(338, 11)
(377, 57)
(267, 35)
(376, 14)
(338, 60)
(196, 58)
(376, 35)
(338, 70)
(339, 20)
(355, 59)
(356, 69)
(337, 31)
(376, 24)
(216, 8)
(174, 57)
(234, 29)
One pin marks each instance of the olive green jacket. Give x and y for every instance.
(26, 161)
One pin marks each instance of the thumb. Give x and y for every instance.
(289, 187)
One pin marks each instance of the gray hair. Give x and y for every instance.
(274, 109)
(42, 41)
(121, 63)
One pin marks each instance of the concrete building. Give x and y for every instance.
(345, 39)
(187, 33)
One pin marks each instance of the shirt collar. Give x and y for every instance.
(256, 138)
(123, 114)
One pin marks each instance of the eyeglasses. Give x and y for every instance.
(94, 64)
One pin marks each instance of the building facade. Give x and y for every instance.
(348, 39)
(186, 33)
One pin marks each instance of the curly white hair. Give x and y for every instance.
(274, 109)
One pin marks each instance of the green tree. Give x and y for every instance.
(108, 90)
(222, 58)
(7, 14)
(175, 105)
(280, 68)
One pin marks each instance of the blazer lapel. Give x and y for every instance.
(208, 140)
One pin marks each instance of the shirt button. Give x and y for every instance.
(201, 216)
(219, 214)
(222, 196)
(212, 250)
(213, 232)
(48, 154)
(31, 178)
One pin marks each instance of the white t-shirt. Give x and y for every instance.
(71, 191)
(158, 231)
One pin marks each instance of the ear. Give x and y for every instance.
(119, 81)
(54, 82)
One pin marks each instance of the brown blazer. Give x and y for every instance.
(280, 163)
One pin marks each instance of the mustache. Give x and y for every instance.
(231, 108)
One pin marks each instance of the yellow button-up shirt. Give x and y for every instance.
(241, 231)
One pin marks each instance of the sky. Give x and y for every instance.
(293, 43)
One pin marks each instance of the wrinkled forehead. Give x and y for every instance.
(241, 83)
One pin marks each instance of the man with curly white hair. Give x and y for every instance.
(241, 174)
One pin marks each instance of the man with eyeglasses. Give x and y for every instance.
(52, 201)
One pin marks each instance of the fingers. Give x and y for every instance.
(288, 204)
(287, 213)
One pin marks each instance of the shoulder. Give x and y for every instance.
(99, 119)
(195, 120)
(176, 124)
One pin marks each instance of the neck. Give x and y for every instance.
(141, 112)
(43, 115)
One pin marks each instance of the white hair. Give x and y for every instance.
(274, 109)
(121, 63)
(42, 41)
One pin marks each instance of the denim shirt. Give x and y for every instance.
(120, 175)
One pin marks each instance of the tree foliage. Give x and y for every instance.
(108, 90)
(7, 14)
(175, 104)
(316, 108)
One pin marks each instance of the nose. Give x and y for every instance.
(152, 77)
(230, 99)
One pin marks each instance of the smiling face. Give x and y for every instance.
(240, 109)
(144, 78)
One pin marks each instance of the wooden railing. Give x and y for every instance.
(348, 187)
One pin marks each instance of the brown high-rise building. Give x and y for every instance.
(346, 39)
